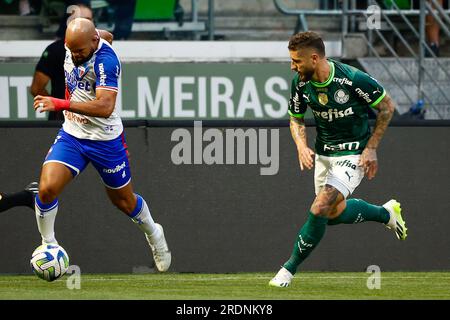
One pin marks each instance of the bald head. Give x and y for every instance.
(80, 30)
(81, 39)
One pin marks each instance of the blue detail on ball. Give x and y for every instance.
(62, 255)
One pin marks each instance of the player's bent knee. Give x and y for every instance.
(340, 207)
(47, 194)
(321, 209)
(327, 202)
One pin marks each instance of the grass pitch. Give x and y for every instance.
(240, 286)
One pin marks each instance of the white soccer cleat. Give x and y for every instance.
(282, 279)
(396, 221)
(160, 250)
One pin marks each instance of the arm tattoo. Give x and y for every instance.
(298, 131)
(386, 110)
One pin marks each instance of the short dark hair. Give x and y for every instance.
(308, 39)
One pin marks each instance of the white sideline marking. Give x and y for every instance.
(250, 278)
(241, 278)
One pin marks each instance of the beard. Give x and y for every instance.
(79, 62)
(306, 75)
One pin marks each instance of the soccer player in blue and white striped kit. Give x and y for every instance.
(92, 132)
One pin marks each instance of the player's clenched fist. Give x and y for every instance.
(44, 103)
(306, 158)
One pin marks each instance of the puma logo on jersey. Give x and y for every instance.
(306, 98)
(348, 175)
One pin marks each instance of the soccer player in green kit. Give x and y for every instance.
(345, 150)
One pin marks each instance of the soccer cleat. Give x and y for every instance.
(33, 187)
(282, 279)
(161, 253)
(396, 221)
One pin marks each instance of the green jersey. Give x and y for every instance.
(340, 108)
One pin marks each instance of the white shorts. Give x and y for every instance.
(342, 172)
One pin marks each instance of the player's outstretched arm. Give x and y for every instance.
(298, 132)
(102, 106)
(368, 160)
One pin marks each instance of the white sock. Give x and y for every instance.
(45, 218)
(143, 218)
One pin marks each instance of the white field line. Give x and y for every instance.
(251, 278)
(140, 278)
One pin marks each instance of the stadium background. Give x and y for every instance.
(229, 218)
(224, 218)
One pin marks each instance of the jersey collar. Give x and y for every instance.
(100, 44)
(328, 81)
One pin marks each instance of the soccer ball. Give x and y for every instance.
(49, 262)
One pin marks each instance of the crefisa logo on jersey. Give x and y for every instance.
(363, 95)
(333, 114)
(341, 96)
(342, 81)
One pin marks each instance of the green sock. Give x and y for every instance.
(309, 236)
(358, 210)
